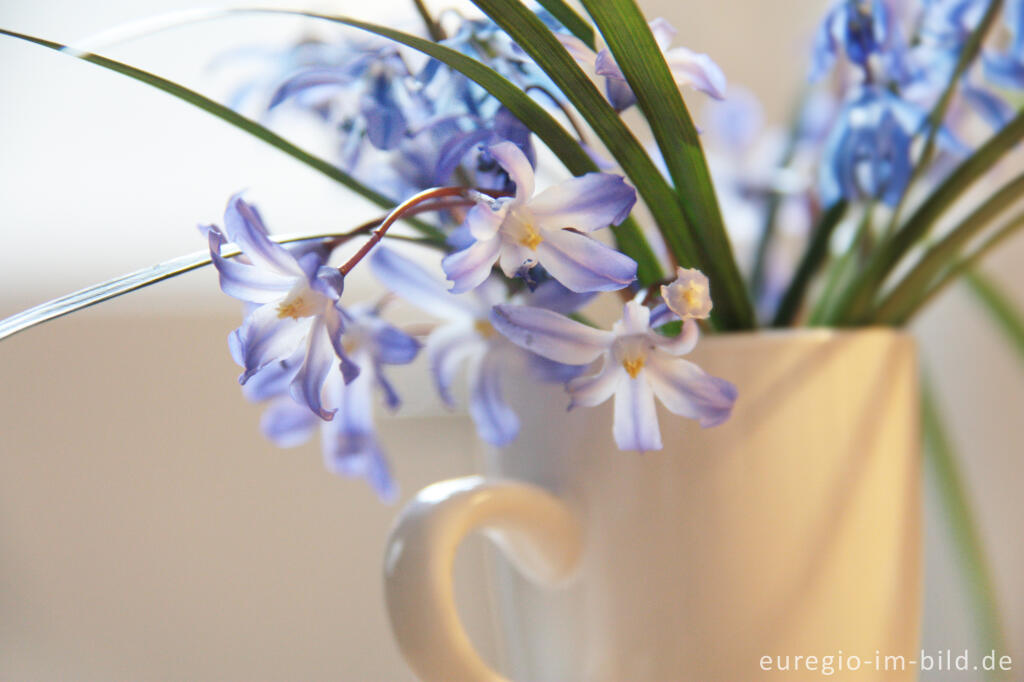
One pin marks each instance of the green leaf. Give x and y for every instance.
(573, 22)
(810, 263)
(631, 42)
(954, 271)
(855, 304)
(912, 287)
(977, 574)
(234, 118)
(968, 53)
(1007, 316)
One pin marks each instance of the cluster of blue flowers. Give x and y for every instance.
(518, 263)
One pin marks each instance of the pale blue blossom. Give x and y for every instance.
(860, 29)
(349, 442)
(293, 296)
(550, 229)
(466, 340)
(632, 362)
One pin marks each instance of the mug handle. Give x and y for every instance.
(535, 530)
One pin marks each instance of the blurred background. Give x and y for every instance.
(147, 531)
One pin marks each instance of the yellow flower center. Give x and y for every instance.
(293, 308)
(532, 237)
(484, 328)
(633, 366)
(693, 295)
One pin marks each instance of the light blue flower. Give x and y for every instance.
(348, 441)
(867, 154)
(1006, 68)
(632, 362)
(688, 68)
(467, 341)
(859, 28)
(293, 297)
(550, 229)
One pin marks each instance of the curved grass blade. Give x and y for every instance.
(118, 286)
(631, 42)
(963, 526)
(955, 271)
(970, 50)
(628, 235)
(234, 118)
(1006, 315)
(855, 304)
(938, 257)
(810, 263)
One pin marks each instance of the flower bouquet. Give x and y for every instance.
(516, 191)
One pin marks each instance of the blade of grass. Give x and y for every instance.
(234, 118)
(810, 263)
(970, 50)
(940, 255)
(957, 269)
(631, 42)
(858, 297)
(1006, 315)
(963, 527)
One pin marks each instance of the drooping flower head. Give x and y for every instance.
(860, 29)
(550, 229)
(295, 313)
(349, 441)
(632, 362)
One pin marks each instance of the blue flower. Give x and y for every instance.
(632, 362)
(867, 154)
(295, 315)
(859, 28)
(688, 68)
(549, 229)
(466, 340)
(1006, 68)
(349, 441)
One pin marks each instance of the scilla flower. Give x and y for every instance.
(860, 28)
(633, 362)
(550, 229)
(349, 441)
(294, 313)
(466, 340)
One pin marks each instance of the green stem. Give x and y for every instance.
(434, 29)
(977, 575)
(811, 261)
(1006, 315)
(843, 270)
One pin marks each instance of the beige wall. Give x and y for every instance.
(147, 532)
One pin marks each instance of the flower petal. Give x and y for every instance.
(636, 416)
(245, 229)
(265, 337)
(287, 424)
(682, 344)
(446, 348)
(687, 390)
(518, 167)
(307, 385)
(554, 296)
(549, 334)
(664, 32)
(392, 346)
(586, 203)
(485, 219)
(584, 264)
(697, 70)
(495, 421)
(246, 282)
(594, 389)
(605, 65)
(468, 268)
(414, 284)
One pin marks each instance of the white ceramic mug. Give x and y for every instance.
(792, 530)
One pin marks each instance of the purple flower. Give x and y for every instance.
(466, 340)
(349, 442)
(633, 362)
(867, 154)
(549, 229)
(294, 311)
(688, 68)
(860, 28)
